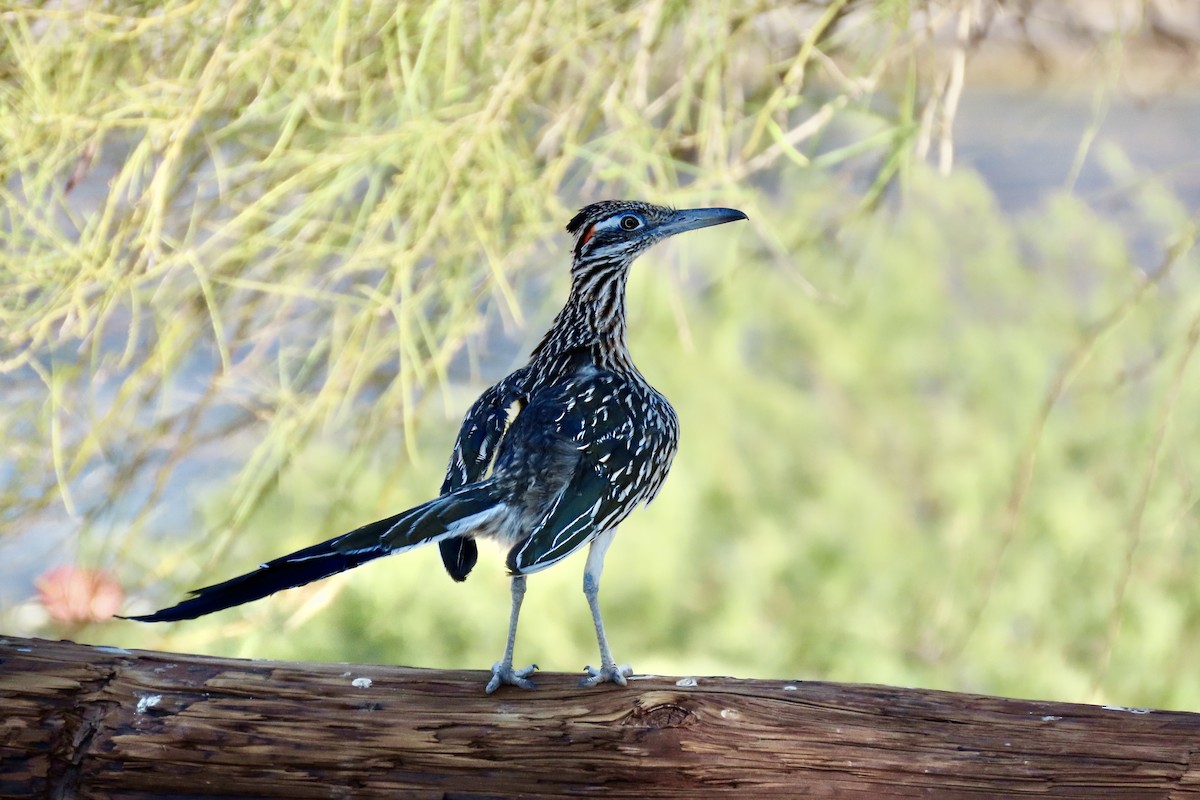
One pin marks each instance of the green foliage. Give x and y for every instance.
(318, 209)
(925, 441)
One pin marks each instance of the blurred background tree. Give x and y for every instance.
(937, 400)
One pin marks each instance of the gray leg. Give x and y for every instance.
(502, 671)
(608, 671)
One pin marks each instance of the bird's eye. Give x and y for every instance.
(630, 223)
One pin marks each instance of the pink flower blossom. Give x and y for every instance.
(75, 595)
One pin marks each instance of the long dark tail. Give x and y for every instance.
(453, 514)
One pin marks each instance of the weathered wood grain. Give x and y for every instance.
(83, 721)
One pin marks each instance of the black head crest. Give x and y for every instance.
(595, 212)
(613, 230)
(584, 224)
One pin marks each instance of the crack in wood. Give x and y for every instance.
(659, 716)
(81, 721)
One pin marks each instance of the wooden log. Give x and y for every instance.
(98, 722)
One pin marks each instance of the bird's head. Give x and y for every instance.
(620, 230)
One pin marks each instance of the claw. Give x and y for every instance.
(610, 673)
(504, 675)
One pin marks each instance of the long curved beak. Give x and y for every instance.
(690, 219)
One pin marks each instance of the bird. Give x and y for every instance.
(551, 458)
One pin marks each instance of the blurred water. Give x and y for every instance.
(1023, 144)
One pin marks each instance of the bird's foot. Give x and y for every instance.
(503, 674)
(608, 673)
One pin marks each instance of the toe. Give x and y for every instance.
(607, 674)
(504, 674)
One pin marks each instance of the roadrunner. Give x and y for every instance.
(590, 440)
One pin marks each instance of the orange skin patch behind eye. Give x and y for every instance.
(587, 235)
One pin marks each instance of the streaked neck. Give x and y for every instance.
(593, 317)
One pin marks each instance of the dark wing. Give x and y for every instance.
(480, 434)
(481, 431)
(625, 436)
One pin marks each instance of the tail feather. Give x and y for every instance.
(425, 523)
(459, 554)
